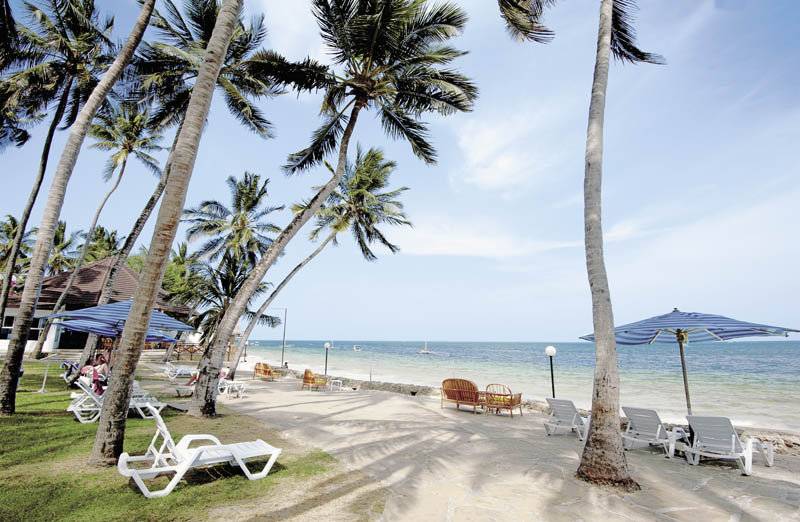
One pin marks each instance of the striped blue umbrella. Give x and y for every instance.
(115, 315)
(686, 327)
(104, 330)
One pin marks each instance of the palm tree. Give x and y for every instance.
(360, 204)
(603, 460)
(57, 59)
(62, 257)
(123, 131)
(9, 229)
(238, 229)
(167, 71)
(55, 199)
(220, 285)
(111, 425)
(388, 57)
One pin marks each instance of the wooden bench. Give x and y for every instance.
(462, 391)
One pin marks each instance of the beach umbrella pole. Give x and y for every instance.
(682, 337)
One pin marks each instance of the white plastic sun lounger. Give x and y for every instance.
(174, 372)
(232, 388)
(714, 437)
(646, 429)
(166, 457)
(86, 406)
(564, 415)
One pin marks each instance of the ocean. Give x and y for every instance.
(753, 383)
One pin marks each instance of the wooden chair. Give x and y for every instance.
(499, 397)
(313, 382)
(462, 391)
(264, 371)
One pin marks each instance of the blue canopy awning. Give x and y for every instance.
(115, 315)
(104, 330)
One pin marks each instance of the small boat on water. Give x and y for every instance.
(425, 351)
(356, 348)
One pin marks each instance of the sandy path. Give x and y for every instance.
(443, 464)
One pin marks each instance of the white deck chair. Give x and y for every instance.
(714, 437)
(646, 429)
(168, 457)
(86, 406)
(232, 388)
(174, 372)
(564, 415)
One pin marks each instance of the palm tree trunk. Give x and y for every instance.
(204, 398)
(603, 460)
(37, 351)
(122, 257)
(111, 426)
(55, 199)
(26, 212)
(263, 308)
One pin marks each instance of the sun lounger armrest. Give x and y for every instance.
(188, 439)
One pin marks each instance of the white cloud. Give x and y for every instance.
(438, 236)
(293, 31)
(514, 150)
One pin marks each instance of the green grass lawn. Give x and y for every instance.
(44, 474)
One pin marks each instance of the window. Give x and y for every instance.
(33, 334)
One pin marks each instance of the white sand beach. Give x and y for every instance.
(443, 464)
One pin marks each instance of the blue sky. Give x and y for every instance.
(701, 185)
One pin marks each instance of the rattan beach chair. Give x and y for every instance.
(499, 397)
(646, 429)
(714, 437)
(564, 415)
(462, 391)
(167, 457)
(174, 372)
(313, 382)
(263, 371)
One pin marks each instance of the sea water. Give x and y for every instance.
(753, 383)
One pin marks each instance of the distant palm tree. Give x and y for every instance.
(9, 229)
(220, 285)
(63, 255)
(111, 425)
(104, 243)
(359, 204)
(167, 71)
(56, 59)
(238, 229)
(603, 459)
(389, 56)
(123, 131)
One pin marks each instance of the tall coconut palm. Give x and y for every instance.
(63, 254)
(389, 56)
(123, 131)
(239, 229)
(603, 460)
(111, 425)
(57, 59)
(360, 204)
(9, 375)
(167, 71)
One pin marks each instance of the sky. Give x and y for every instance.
(701, 188)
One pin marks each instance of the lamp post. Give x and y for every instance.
(327, 347)
(550, 351)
